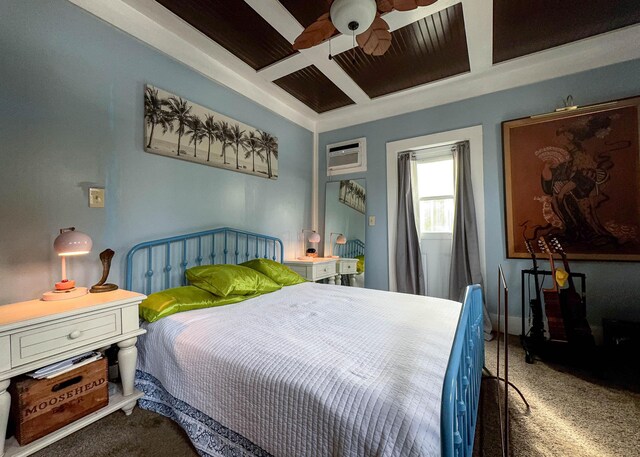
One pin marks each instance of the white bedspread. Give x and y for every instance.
(313, 370)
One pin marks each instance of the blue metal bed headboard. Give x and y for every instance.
(351, 249)
(171, 257)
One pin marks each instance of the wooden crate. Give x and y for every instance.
(42, 406)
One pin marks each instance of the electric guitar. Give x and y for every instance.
(537, 327)
(552, 303)
(575, 304)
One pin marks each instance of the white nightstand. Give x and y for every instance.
(36, 333)
(315, 270)
(347, 267)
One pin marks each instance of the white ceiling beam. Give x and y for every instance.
(599, 51)
(335, 73)
(151, 23)
(284, 67)
(478, 23)
(398, 19)
(280, 19)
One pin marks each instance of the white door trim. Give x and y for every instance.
(474, 136)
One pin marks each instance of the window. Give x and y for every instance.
(435, 191)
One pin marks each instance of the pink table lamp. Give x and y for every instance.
(69, 243)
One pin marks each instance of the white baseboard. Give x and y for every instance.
(515, 327)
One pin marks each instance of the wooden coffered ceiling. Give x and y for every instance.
(448, 51)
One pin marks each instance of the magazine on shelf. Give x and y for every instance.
(64, 366)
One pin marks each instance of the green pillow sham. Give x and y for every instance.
(224, 280)
(178, 299)
(277, 272)
(360, 264)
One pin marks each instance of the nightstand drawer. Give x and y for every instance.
(322, 270)
(64, 335)
(347, 268)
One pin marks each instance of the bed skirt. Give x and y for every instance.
(210, 438)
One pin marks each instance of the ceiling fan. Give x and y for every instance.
(359, 18)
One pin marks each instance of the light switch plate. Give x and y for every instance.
(96, 197)
(372, 220)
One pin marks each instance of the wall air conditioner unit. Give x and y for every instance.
(347, 157)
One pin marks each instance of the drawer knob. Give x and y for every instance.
(75, 334)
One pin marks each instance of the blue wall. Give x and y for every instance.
(613, 288)
(71, 116)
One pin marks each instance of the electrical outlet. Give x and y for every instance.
(96, 197)
(372, 221)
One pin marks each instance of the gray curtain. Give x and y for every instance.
(409, 275)
(465, 250)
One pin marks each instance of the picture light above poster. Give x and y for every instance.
(178, 128)
(574, 174)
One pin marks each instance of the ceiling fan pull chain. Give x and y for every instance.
(330, 56)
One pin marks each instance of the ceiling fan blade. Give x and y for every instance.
(405, 5)
(384, 6)
(315, 34)
(376, 39)
(408, 5)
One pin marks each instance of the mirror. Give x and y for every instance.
(344, 228)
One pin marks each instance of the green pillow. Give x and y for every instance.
(224, 280)
(277, 272)
(178, 299)
(360, 264)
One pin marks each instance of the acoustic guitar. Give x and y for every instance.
(537, 327)
(552, 303)
(574, 303)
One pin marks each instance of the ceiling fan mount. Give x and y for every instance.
(360, 18)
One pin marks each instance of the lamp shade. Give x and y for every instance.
(341, 239)
(314, 238)
(71, 242)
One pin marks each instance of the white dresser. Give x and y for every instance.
(348, 268)
(36, 333)
(316, 269)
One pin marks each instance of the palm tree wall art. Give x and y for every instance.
(353, 195)
(178, 128)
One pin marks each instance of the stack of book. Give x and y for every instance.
(64, 366)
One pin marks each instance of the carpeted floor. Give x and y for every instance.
(574, 412)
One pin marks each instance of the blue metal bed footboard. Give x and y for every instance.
(461, 390)
(161, 264)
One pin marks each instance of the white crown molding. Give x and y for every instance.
(153, 24)
(599, 51)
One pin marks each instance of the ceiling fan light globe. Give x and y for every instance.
(345, 14)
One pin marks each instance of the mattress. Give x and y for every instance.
(310, 370)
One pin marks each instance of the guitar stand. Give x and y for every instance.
(529, 344)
